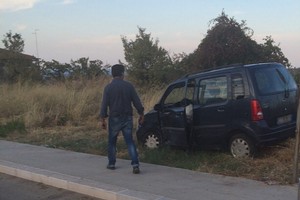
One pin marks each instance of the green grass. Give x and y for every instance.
(12, 126)
(272, 165)
(190, 160)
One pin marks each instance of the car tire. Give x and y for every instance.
(241, 146)
(152, 139)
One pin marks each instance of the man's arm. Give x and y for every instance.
(138, 105)
(103, 111)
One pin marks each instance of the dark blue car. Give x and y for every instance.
(239, 107)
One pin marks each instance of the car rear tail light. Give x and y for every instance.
(256, 110)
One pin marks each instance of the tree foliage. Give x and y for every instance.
(272, 52)
(147, 62)
(82, 68)
(13, 42)
(229, 42)
(226, 42)
(54, 70)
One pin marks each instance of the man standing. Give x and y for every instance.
(118, 97)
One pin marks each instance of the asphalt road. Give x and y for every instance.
(13, 188)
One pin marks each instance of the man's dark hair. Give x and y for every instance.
(117, 70)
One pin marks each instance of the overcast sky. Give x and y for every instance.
(70, 29)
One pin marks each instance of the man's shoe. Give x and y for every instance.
(136, 170)
(111, 167)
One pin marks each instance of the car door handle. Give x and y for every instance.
(176, 113)
(221, 109)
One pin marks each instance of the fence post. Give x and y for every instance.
(296, 155)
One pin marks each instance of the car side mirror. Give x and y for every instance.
(157, 107)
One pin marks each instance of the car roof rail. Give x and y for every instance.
(215, 68)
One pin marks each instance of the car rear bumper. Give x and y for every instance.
(266, 135)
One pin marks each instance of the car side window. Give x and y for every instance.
(176, 94)
(181, 93)
(213, 90)
(237, 84)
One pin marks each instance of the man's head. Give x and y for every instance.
(117, 70)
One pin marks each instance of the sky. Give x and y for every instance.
(65, 30)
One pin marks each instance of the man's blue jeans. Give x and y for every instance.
(125, 125)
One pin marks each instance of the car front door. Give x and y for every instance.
(173, 115)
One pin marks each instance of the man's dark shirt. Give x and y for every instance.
(117, 97)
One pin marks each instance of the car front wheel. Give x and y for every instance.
(241, 146)
(152, 140)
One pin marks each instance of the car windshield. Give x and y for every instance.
(272, 79)
(175, 93)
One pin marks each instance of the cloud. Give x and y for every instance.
(20, 27)
(67, 2)
(105, 40)
(15, 5)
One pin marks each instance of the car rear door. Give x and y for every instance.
(277, 93)
(212, 115)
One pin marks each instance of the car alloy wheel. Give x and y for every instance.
(152, 141)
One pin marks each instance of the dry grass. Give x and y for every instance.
(51, 105)
(74, 103)
(64, 115)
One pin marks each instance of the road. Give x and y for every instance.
(13, 188)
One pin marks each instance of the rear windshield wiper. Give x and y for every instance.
(286, 86)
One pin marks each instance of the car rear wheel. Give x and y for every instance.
(241, 146)
(152, 140)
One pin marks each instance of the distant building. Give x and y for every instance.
(17, 63)
(7, 54)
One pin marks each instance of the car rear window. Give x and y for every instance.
(272, 79)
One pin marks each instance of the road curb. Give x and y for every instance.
(75, 184)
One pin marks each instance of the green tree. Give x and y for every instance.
(85, 68)
(147, 62)
(79, 67)
(54, 70)
(226, 42)
(13, 42)
(96, 68)
(229, 42)
(180, 61)
(273, 53)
